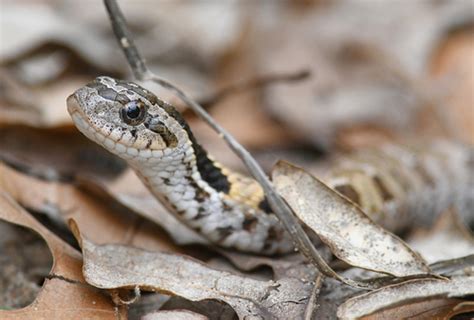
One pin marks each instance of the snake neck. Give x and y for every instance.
(195, 189)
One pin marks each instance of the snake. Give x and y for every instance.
(228, 208)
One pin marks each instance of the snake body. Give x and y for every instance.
(228, 208)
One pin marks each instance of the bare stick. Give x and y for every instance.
(278, 205)
(313, 300)
(254, 83)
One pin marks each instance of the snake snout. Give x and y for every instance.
(72, 104)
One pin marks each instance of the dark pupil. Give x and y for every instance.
(133, 111)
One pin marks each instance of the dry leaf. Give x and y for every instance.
(99, 218)
(174, 315)
(282, 267)
(65, 295)
(404, 293)
(25, 261)
(443, 308)
(130, 192)
(116, 266)
(348, 232)
(57, 154)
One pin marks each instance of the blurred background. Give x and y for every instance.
(379, 71)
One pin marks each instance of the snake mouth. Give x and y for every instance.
(72, 104)
(81, 121)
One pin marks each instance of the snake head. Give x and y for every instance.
(126, 119)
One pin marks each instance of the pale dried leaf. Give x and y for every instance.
(65, 295)
(174, 315)
(404, 293)
(116, 266)
(348, 232)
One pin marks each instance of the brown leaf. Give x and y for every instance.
(404, 293)
(349, 233)
(424, 310)
(130, 192)
(115, 266)
(99, 218)
(25, 261)
(56, 154)
(65, 295)
(174, 315)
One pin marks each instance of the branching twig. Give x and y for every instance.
(278, 205)
(253, 83)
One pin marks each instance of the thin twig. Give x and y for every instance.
(278, 205)
(252, 84)
(313, 300)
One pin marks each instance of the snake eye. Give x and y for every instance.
(133, 113)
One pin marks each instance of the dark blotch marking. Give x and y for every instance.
(250, 223)
(138, 90)
(272, 237)
(133, 133)
(226, 206)
(201, 214)
(107, 93)
(112, 95)
(209, 171)
(159, 127)
(206, 167)
(386, 195)
(95, 85)
(264, 206)
(349, 192)
(224, 232)
(166, 181)
(201, 195)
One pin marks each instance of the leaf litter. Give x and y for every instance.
(64, 293)
(116, 266)
(405, 292)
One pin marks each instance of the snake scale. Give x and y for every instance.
(393, 184)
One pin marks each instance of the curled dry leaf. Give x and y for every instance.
(101, 219)
(405, 293)
(64, 295)
(117, 266)
(174, 315)
(346, 229)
